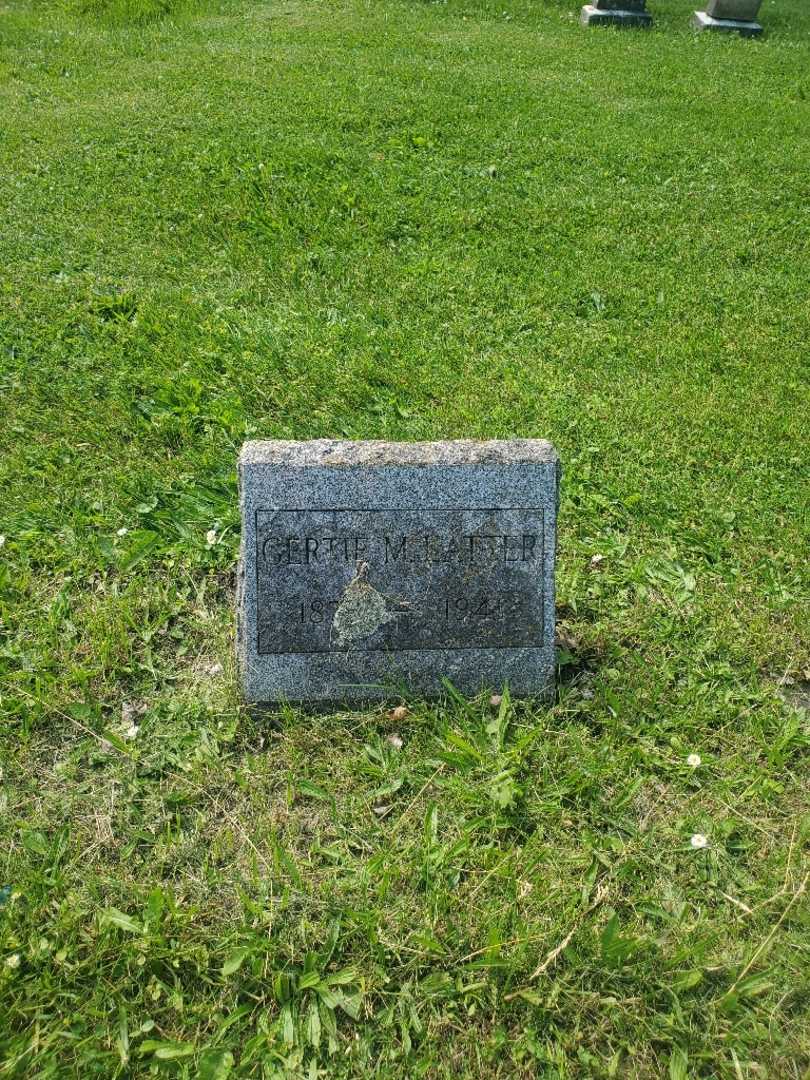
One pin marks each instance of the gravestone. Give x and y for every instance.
(616, 13)
(370, 569)
(730, 15)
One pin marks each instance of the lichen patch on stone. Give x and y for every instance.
(360, 613)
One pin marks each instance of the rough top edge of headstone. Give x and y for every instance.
(346, 453)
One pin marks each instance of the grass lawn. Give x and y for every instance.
(403, 220)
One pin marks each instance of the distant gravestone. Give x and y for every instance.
(371, 568)
(730, 15)
(616, 13)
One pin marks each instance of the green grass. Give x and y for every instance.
(403, 220)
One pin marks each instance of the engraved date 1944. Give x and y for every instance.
(485, 607)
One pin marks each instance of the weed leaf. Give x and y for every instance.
(235, 960)
(167, 1051)
(678, 1064)
(215, 1065)
(114, 917)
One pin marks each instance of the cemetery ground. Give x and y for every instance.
(407, 221)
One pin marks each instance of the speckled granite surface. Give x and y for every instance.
(373, 569)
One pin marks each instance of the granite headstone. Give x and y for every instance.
(370, 569)
(732, 16)
(616, 13)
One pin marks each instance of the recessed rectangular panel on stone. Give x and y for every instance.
(370, 569)
(393, 579)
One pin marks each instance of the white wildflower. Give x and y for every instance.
(2, 540)
(13, 961)
(211, 537)
(395, 741)
(699, 841)
(693, 760)
(122, 531)
(131, 732)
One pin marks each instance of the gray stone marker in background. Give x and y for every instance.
(372, 568)
(729, 15)
(616, 13)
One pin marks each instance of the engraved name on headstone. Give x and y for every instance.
(374, 568)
